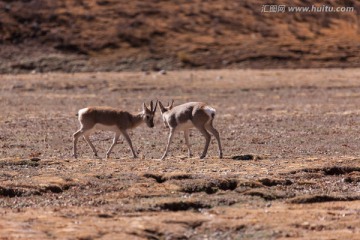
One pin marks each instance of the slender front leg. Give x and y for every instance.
(186, 135)
(87, 139)
(128, 140)
(116, 137)
(168, 143)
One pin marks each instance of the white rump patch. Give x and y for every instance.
(209, 111)
(82, 111)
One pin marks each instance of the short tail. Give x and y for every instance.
(211, 112)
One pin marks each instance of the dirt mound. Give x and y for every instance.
(104, 35)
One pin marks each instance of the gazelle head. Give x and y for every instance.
(163, 110)
(149, 114)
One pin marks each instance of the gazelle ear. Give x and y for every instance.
(155, 106)
(145, 107)
(171, 105)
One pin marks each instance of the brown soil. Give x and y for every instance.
(291, 166)
(113, 35)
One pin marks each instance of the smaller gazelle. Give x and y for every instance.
(114, 120)
(186, 116)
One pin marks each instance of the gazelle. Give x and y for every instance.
(110, 119)
(186, 116)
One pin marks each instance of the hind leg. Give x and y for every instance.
(216, 134)
(207, 140)
(186, 135)
(81, 132)
(76, 136)
(87, 139)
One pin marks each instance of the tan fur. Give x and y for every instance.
(186, 116)
(117, 121)
(110, 116)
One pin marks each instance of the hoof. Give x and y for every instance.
(202, 157)
(163, 156)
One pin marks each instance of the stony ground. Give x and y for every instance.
(291, 166)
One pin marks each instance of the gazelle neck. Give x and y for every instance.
(137, 119)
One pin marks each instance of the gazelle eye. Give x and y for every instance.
(147, 117)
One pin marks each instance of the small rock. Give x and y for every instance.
(162, 72)
(105, 215)
(7, 7)
(244, 157)
(35, 159)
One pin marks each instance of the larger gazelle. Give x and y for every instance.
(186, 116)
(110, 119)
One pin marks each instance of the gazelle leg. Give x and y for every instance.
(76, 136)
(168, 143)
(207, 138)
(87, 139)
(116, 137)
(83, 131)
(186, 135)
(128, 140)
(216, 134)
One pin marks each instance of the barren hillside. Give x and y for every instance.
(104, 35)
